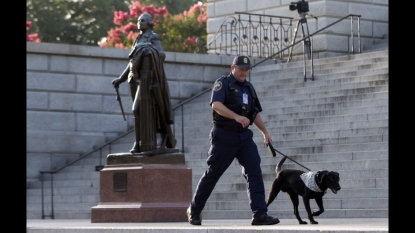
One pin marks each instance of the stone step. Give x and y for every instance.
(63, 199)
(297, 70)
(348, 128)
(270, 90)
(298, 77)
(344, 193)
(321, 165)
(291, 113)
(323, 118)
(327, 126)
(60, 215)
(346, 183)
(338, 60)
(63, 191)
(275, 110)
(330, 84)
(237, 214)
(301, 149)
(66, 183)
(236, 174)
(266, 158)
(320, 131)
(352, 203)
(310, 142)
(338, 108)
(288, 214)
(291, 94)
(61, 207)
(327, 119)
(366, 198)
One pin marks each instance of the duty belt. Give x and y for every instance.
(230, 128)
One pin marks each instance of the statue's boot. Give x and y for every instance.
(136, 147)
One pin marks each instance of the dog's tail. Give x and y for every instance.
(279, 165)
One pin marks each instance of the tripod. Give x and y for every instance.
(307, 45)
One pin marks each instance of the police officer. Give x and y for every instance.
(235, 106)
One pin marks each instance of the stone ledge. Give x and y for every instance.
(164, 156)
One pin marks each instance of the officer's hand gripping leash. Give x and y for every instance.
(273, 154)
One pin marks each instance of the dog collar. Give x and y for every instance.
(310, 181)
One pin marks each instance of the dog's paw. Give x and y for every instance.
(313, 222)
(317, 213)
(303, 222)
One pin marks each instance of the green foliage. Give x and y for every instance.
(173, 6)
(86, 22)
(178, 32)
(72, 22)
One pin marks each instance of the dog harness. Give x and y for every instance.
(309, 179)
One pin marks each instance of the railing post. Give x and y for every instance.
(51, 195)
(182, 130)
(351, 31)
(358, 33)
(312, 61)
(43, 208)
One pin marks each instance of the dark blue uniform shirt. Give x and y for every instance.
(221, 92)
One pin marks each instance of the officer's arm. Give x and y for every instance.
(261, 127)
(222, 110)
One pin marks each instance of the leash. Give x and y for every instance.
(273, 154)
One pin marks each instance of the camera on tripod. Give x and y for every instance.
(300, 6)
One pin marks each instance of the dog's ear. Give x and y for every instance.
(322, 175)
(337, 174)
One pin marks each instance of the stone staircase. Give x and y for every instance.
(337, 122)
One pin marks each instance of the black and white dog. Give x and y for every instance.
(309, 185)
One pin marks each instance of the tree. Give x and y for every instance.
(32, 36)
(173, 6)
(72, 21)
(86, 22)
(179, 32)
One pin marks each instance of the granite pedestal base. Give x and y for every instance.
(148, 189)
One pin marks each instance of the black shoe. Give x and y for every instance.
(264, 220)
(194, 219)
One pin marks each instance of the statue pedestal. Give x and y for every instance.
(143, 188)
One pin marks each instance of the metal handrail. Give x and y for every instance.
(51, 172)
(306, 37)
(310, 36)
(240, 35)
(245, 35)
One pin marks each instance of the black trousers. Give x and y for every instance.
(225, 147)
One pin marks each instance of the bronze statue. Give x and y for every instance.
(152, 109)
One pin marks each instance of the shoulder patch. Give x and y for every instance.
(217, 86)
